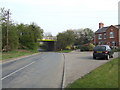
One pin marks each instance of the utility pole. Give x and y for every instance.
(5, 16)
(7, 42)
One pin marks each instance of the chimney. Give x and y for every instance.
(101, 25)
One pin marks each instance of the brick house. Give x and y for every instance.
(109, 35)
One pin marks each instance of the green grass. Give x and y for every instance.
(65, 51)
(105, 76)
(17, 53)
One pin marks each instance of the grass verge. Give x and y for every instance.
(105, 76)
(17, 53)
(65, 51)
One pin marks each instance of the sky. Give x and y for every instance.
(56, 16)
(119, 13)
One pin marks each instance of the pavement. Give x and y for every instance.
(48, 69)
(78, 64)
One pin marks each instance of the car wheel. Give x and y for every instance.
(112, 56)
(108, 57)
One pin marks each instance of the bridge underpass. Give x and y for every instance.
(48, 45)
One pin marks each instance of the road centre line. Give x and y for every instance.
(17, 70)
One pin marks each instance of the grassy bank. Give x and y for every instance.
(17, 53)
(106, 76)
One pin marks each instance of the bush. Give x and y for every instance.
(91, 46)
(87, 47)
(68, 48)
(78, 46)
(116, 49)
(84, 48)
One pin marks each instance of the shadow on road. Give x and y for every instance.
(89, 58)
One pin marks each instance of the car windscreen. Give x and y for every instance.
(100, 48)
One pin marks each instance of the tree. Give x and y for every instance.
(37, 31)
(89, 35)
(65, 39)
(91, 46)
(0, 37)
(9, 32)
(13, 37)
(84, 36)
(28, 35)
(13, 41)
(20, 35)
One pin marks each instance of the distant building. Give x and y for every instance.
(109, 35)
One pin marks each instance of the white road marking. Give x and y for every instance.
(17, 70)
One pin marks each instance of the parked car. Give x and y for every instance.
(103, 51)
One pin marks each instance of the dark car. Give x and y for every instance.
(103, 51)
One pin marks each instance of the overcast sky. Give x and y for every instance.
(59, 15)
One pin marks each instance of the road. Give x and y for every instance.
(45, 70)
(39, 71)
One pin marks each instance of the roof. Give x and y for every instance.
(101, 30)
(117, 26)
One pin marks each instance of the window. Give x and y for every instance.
(113, 43)
(111, 34)
(104, 35)
(107, 47)
(99, 43)
(100, 36)
(101, 48)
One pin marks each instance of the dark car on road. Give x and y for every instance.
(103, 51)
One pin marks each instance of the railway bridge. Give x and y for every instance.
(48, 43)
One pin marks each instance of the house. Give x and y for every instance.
(109, 35)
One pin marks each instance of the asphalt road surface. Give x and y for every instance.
(39, 71)
(78, 64)
(45, 70)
